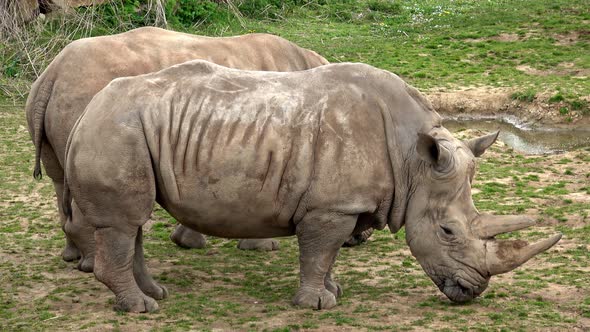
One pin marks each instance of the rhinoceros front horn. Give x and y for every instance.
(504, 256)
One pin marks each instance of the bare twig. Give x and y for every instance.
(26, 50)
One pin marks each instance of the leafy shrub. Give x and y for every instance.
(190, 12)
(128, 14)
(11, 67)
(122, 15)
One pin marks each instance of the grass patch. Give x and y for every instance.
(556, 98)
(528, 96)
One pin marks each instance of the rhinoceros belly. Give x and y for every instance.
(232, 166)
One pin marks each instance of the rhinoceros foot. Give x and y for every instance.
(137, 302)
(187, 238)
(86, 264)
(258, 244)
(333, 287)
(155, 291)
(70, 252)
(151, 288)
(315, 298)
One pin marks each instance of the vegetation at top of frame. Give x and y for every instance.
(535, 47)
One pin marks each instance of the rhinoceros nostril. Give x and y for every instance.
(463, 289)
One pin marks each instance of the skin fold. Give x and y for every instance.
(323, 154)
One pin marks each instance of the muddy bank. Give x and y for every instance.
(541, 141)
(474, 103)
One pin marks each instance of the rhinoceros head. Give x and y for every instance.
(452, 241)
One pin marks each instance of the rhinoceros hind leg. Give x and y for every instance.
(320, 236)
(144, 279)
(258, 244)
(86, 264)
(81, 233)
(187, 238)
(70, 252)
(358, 239)
(114, 262)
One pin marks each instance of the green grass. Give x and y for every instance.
(528, 96)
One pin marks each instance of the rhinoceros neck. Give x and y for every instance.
(406, 113)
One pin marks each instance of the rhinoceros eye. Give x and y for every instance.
(447, 230)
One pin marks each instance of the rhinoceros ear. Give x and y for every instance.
(479, 145)
(430, 150)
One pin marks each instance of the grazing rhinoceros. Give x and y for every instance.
(85, 66)
(322, 154)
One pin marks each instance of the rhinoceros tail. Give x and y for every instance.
(35, 111)
(67, 196)
(67, 200)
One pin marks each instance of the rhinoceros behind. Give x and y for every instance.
(322, 154)
(86, 66)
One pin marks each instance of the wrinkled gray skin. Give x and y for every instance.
(322, 154)
(360, 238)
(85, 66)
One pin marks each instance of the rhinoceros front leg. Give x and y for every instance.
(81, 233)
(114, 267)
(320, 236)
(258, 244)
(187, 238)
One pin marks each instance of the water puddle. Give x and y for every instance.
(525, 139)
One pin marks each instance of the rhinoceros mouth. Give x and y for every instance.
(460, 291)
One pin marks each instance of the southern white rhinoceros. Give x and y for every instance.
(322, 154)
(86, 66)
